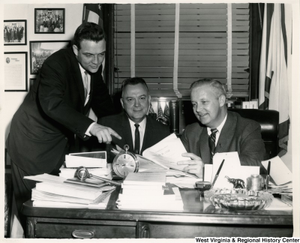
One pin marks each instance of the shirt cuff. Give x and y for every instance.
(87, 133)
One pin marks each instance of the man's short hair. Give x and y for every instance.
(216, 84)
(88, 31)
(133, 81)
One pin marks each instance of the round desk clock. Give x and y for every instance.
(125, 162)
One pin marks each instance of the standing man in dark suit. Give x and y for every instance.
(56, 108)
(231, 131)
(135, 101)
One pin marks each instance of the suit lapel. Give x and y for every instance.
(78, 78)
(203, 145)
(147, 135)
(227, 133)
(93, 80)
(126, 136)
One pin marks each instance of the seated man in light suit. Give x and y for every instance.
(234, 133)
(135, 101)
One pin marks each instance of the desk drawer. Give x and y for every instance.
(181, 230)
(69, 228)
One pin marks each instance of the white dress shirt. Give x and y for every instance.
(142, 128)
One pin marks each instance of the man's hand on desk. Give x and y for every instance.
(104, 134)
(195, 165)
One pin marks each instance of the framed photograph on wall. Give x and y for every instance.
(15, 32)
(49, 20)
(41, 50)
(15, 71)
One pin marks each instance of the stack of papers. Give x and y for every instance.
(181, 179)
(148, 191)
(55, 191)
(95, 162)
(94, 159)
(281, 175)
(102, 172)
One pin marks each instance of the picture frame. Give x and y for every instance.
(15, 71)
(49, 20)
(15, 32)
(41, 50)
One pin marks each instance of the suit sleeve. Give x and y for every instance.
(252, 148)
(54, 78)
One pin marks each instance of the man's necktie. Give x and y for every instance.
(137, 139)
(86, 85)
(212, 141)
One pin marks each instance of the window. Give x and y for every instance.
(212, 41)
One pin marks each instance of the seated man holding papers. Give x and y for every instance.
(138, 130)
(218, 130)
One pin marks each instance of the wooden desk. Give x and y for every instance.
(197, 220)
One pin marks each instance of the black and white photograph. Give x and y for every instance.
(15, 32)
(49, 21)
(145, 121)
(41, 50)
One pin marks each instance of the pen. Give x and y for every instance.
(268, 174)
(218, 172)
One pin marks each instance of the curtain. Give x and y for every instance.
(274, 67)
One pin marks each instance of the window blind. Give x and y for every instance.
(202, 45)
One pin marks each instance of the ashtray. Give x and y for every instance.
(240, 199)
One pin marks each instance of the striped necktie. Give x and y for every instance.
(212, 141)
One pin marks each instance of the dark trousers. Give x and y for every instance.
(22, 188)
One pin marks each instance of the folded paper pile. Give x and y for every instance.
(57, 192)
(149, 191)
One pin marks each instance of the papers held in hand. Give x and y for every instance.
(167, 153)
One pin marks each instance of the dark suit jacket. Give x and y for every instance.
(154, 131)
(52, 112)
(238, 134)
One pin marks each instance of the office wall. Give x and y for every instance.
(73, 18)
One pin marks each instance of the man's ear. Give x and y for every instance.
(222, 100)
(75, 50)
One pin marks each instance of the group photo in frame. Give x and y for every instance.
(41, 50)
(15, 32)
(49, 20)
(15, 71)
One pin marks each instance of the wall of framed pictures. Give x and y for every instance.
(26, 28)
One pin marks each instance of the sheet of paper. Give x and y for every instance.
(279, 172)
(231, 160)
(167, 152)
